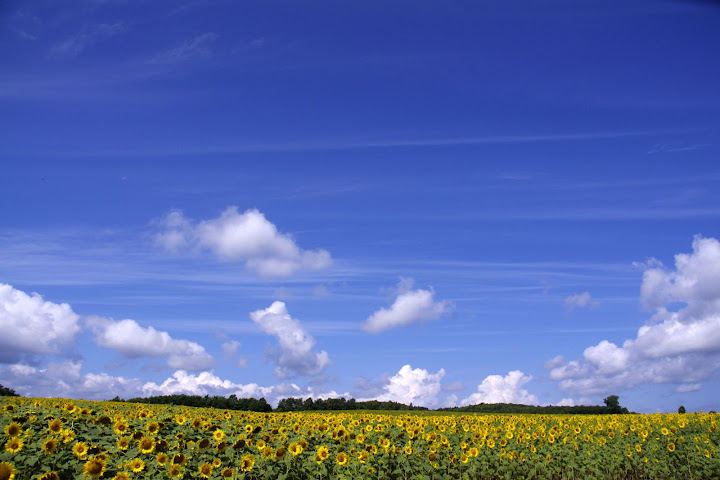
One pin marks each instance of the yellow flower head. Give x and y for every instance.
(123, 443)
(80, 449)
(162, 458)
(13, 429)
(341, 459)
(94, 468)
(7, 471)
(49, 446)
(146, 444)
(55, 426)
(136, 465)
(14, 445)
(247, 462)
(121, 476)
(205, 470)
(218, 435)
(49, 476)
(175, 471)
(227, 473)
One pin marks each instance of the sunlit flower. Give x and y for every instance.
(146, 444)
(49, 446)
(136, 465)
(55, 426)
(13, 429)
(247, 462)
(7, 471)
(14, 445)
(94, 468)
(205, 470)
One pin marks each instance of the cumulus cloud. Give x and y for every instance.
(240, 237)
(679, 344)
(410, 306)
(132, 340)
(65, 380)
(31, 325)
(294, 355)
(499, 389)
(580, 300)
(416, 386)
(207, 383)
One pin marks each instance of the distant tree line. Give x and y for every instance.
(300, 405)
(225, 403)
(7, 392)
(612, 406)
(291, 404)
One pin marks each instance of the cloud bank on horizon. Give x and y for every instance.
(678, 346)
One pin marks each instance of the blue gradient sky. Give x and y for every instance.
(515, 179)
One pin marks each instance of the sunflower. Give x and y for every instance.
(55, 426)
(49, 446)
(247, 462)
(218, 435)
(121, 476)
(13, 429)
(295, 449)
(120, 427)
(146, 444)
(123, 443)
(136, 465)
(227, 473)
(153, 428)
(179, 459)
(67, 435)
(204, 444)
(341, 459)
(49, 476)
(280, 453)
(14, 445)
(671, 447)
(175, 471)
(162, 459)
(94, 468)
(7, 471)
(205, 470)
(220, 447)
(216, 462)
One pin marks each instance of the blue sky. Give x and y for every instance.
(428, 203)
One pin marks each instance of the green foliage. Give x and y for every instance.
(7, 392)
(681, 409)
(300, 405)
(225, 403)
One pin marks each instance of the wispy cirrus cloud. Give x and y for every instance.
(198, 47)
(74, 45)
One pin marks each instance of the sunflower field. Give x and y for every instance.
(52, 439)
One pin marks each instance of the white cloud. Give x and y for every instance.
(243, 237)
(31, 325)
(295, 355)
(66, 380)
(688, 387)
(499, 389)
(206, 383)
(416, 386)
(566, 402)
(132, 340)
(580, 300)
(410, 306)
(679, 344)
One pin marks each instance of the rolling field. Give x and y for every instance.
(58, 439)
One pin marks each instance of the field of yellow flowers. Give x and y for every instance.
(62, 439)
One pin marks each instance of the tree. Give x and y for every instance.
(681, 409)
(7, 392)
(613, 404)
